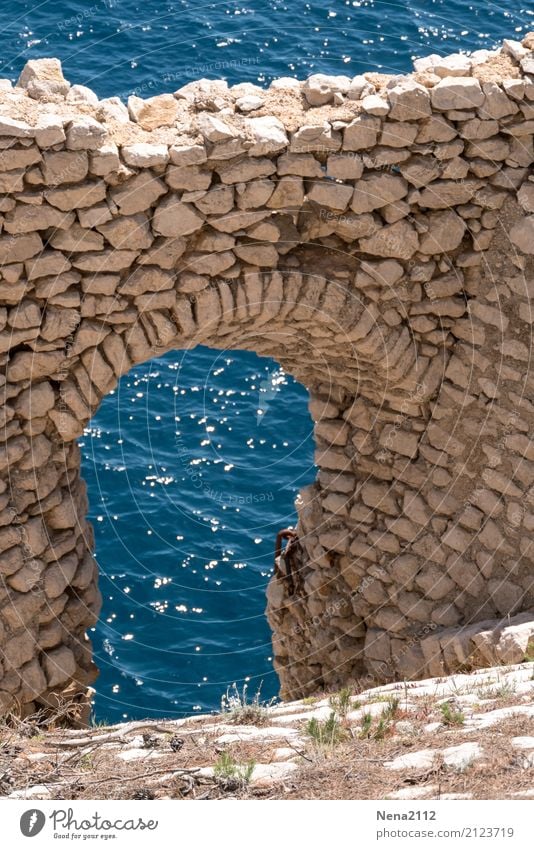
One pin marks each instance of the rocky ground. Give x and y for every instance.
(464, 736)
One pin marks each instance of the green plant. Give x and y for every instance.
(451, 716)
(226, 770)
(86, 761)
(499, 691)
(381, 729)
(367, 721)
(243, 710)
(387, 716)
(390, 711)
(327, 732)
(341, 702)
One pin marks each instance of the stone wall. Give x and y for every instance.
(375, 235)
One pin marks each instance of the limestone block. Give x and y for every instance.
(288, 194)
(398, 134)
(35, 401)
(261, 255)
(455, 65)
(333, 195)
(105, 159)
(85, 133)
(43, 77)
(158, 111)
(64, 167)
(457, 92)
(128, 231)
(189, 154)
(409, 101)
(77, 197)
(443, 194)
(522, 235)
(136, 194)
(320, 89)
(445, 233)
(105, 261)
(27, 577)
(218, 200)
(59, 666)
(340, 167)
(174, 218)
(144, 155)
(362, 133)
(375, 191)
(396, 240)
(268, 133)
(302, 165)
(164, 252)
(246, 170)
(372, 104)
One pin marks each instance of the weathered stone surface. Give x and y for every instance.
(77, 197)
(137, 194)
(320, 89)
(362, 133)
(456, 92)
(145, 155)
(445, 233)
(59, 666)
(85, 134)
(64, 167)
(522, 235)
(27, 219)
(397, 240)
(174, 218)
(159, 111)
(17, 248)
(268, 134)
(43, 77)
(409, 101)
(127, 231)
(377, 190)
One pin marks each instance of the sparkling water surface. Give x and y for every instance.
(193, 463)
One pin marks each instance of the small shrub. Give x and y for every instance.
(367, 721)
(86, 761)
(499, 691)
(381, 729)
(231, 774)
(327, 732)
(449, 716)
(390, 711)
(386, 718)
(342, 702)
(243, 710)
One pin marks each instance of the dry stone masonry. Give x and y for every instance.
(376, 236)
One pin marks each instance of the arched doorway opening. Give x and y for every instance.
(192, 465)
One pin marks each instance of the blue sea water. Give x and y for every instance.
(194, 461)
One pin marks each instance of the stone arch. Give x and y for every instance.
(380, 249)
